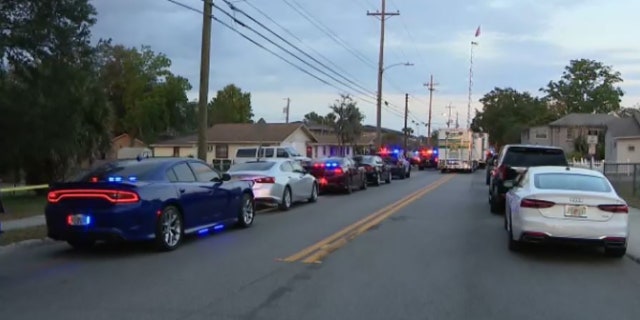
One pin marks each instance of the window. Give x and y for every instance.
(171, 176)
(127, 169)
(203, 172)
(183, 173)
(210, 148)
(631, 148)
(252, 166)
(571, 181)
(286, 167)
(293, 152)
(297, 167)
(531, 157)
(246, 153)
(222, 151)
(282, 153)
(569, 133)
(541, 134)
(176, 151)
(266, 153)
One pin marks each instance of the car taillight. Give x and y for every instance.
(265, 180)
(338, 171)
(318, 165)
(368, 168)
(501, 172)
(537, 204)
(113, 196)
(615, 208)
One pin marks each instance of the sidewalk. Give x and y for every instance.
(23, 223)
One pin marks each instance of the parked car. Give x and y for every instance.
(159, 199)
(491, 163)
(514, 159)
(277, 181)
(565, 204)
(400, 166)
(377, 171)
(339, 174)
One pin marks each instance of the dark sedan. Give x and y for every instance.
(377, 171)
(157, 199)
(339, 174)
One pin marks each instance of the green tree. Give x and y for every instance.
(147, 99)
(506, 112)
(348, 122)
(230, 105)
(56, 109)
(586, 86)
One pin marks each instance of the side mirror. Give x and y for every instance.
(508, 184)
(226, 177)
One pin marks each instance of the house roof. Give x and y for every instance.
(116, 138)
(623, 127)
(330, 139)
(583, 119)
(628, 138)
(243, 133)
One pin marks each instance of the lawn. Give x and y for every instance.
(12, 236)
(22, 205)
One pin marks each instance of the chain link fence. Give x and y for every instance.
(625, 178)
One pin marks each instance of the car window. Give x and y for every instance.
(252, 166)
(266, 153)
(293, 152)
(571, 181)
(246, 153)
(532, 157)
(282, 153)
(286, 167)
(296, 166)
(171, 176)
(184, 173)
(203, 172)
(125, 170)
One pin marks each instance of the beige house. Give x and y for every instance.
(223, 140)
(329, 145)
(621, 135)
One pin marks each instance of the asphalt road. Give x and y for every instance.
(442, 256)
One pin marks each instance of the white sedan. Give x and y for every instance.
(566, 205)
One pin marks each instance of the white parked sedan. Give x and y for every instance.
(566, 205)
(277, 181)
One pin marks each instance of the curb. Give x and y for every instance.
(634, 258)
(25, 243)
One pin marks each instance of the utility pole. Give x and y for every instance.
(205, 56)
(457, 123)
(383, 17)
(431, 87)
(449, 118)
(406, 116)
(286, 110)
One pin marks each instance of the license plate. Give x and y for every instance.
(575, 211)
(79, 220)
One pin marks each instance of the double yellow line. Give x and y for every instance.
(316, 252)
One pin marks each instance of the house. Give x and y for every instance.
(224, 139)
(329, 145)
(563, 132)
(621, 135)
(123, 141)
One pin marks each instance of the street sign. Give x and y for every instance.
(592, 149)
(592, 139)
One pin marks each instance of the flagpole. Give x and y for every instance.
(473, 44)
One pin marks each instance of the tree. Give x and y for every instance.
(230, 105)
(56, 109)
(506, 112)
(348, 123)
(147, 99)
(586, 86)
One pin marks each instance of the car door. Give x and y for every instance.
(190, 195)
(306, 180)
(516, 194)
(216, 199)
(353, 170)
(293, 179)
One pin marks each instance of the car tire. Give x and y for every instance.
(378, 180)
(487, 180)
(615, 252)
(349, 186)
(314, 193)
(409, 173)
(246, 211)
(389, 178)
(514, 245)
(81, 244)
(364, 183)
(169, 229)
(420, 168)
(285, 203)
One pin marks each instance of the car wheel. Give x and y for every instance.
(364, 183)
(169, 229)
(617, 252)
(247, 211)
(389, 178)
(81, 244)
(285, 203)
(409, 173)
(487, 180)
(349, 186)
(314, 193)
(420, 168)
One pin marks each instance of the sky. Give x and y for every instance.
(523, 44)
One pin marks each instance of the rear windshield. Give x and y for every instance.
(120, 170)
(391, 160)
(569, 181)
(364, 159)
(534, 157)
(252, 166)
(246, 153)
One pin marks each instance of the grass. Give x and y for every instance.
(12, 236)
(22, 205)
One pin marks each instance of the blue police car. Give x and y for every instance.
(157, 199)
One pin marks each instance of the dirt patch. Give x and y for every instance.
(17, 235)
